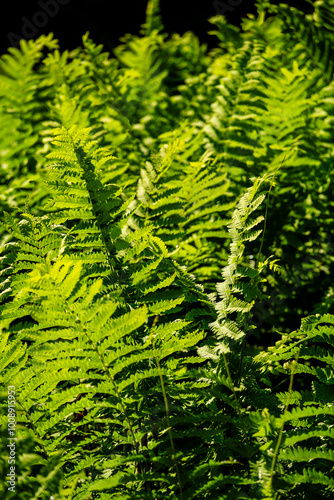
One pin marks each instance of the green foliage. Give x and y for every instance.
(140, 250)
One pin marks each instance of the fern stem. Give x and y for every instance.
(89, 175)
(266, 212)
(238, 409)
(227, 368)
(280, 435)
(135, 443)
(166, 408)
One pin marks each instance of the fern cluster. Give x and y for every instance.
(139, 246)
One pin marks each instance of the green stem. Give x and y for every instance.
(280, 435)
(266, 213)
(167, 409)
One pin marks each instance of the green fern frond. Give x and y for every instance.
(228, 291)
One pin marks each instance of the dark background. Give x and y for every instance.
(107, 20)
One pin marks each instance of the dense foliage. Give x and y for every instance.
(166, 260)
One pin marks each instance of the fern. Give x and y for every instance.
(136, 282)
(313, 37)
(311, 411)
(236, 295)
(91, 356)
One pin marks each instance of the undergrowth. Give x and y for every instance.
(166, 259)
